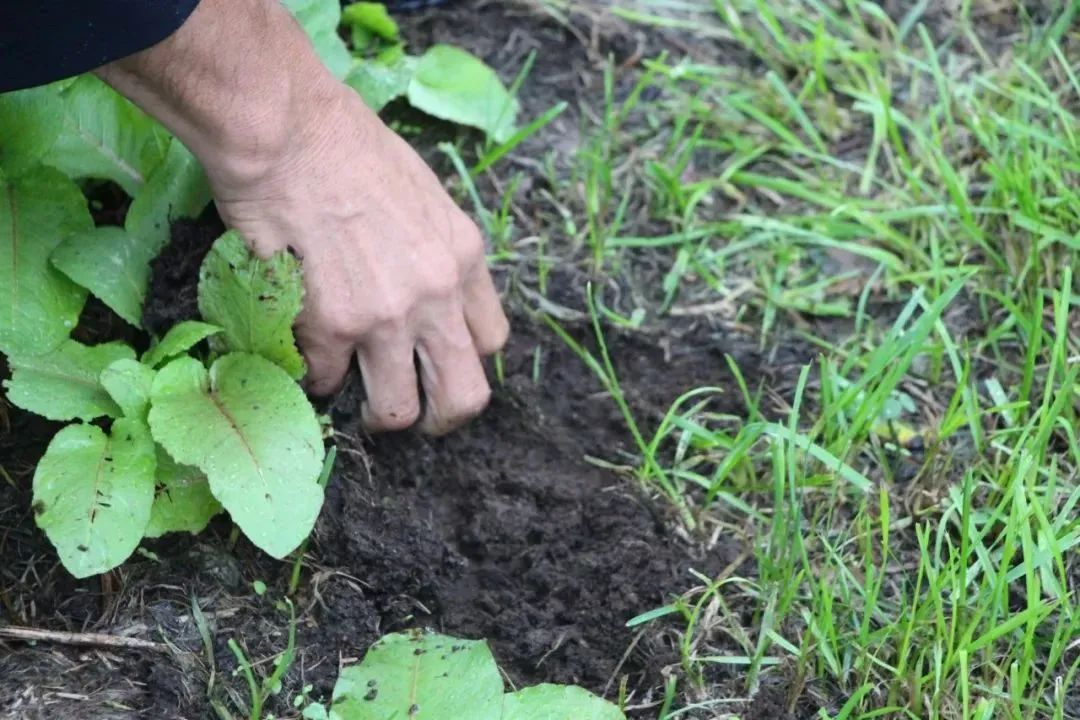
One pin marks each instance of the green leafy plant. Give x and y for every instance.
(425, 676)
(211, 418)
(445, 82)
(188, 436)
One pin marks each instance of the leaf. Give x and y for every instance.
(103, 135)
(255, 301)
(371, 17)
(320, 20)
(39, 306)
(382, 80)
(183, 501)
(557, 702)
(64, 384)
(32, 117)
(249, 427)
(112, 264)
(128, 383)
(92, 494)
(420, 677)
(178, 340)
(455, 85)
(178, 188)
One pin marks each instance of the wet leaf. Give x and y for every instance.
(455, 85)
(103, 135)
(175, 189)
(248, 426)
(417, 676)
(320, 20)
(183, 501)
(92, 494)
(65, 384)
(112, 264)
(178, 340)
(382, 80)
(128, 383)
(39, 306)
(32, 116)
(254, 301)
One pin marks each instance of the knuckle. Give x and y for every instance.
(391, 311)
(470, 245)
(443, 280)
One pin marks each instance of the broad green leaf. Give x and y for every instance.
(382, 80)
(39, 306)
(104, 136)
(92, 494)
(420, 677)
(320, 20)
(178, 340)
(455, 85)
(249, 427)
(371, 17)
(64, 384)
(128, 383)
(255, 301)
(557, 702)
(183, 501)
(175, 189)
(32, 118)
(112, 264)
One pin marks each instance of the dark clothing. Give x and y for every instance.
(46, 40)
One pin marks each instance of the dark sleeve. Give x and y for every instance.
(46, 40)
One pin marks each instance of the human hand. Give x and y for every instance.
(393, 268)
(395, 273)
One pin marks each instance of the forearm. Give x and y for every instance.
(228, 83)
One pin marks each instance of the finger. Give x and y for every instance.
(327, 362)
(455, 387)
(484, 313)
(389, 373)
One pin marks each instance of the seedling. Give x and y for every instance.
(187, 434)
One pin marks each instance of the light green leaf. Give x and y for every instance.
(175, 189)
(255, 301)
(178, 340)
(420, 677)
(33, 118)
(92, 494)
(557, 702)
(455, 85)
(249, 427)
(183, 501)
(382, 80)
(38, 305)
(128, 383)
(64, 384)
(320, 20)
(104, 136)
(371, 17)
(112, 264)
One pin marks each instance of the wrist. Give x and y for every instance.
(234, 83)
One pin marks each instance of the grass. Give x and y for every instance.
(897, 192)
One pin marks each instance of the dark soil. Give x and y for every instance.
(504, 531)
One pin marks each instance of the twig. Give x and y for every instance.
(10, 632)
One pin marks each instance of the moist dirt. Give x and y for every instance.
(527, 528)
(508, 530)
